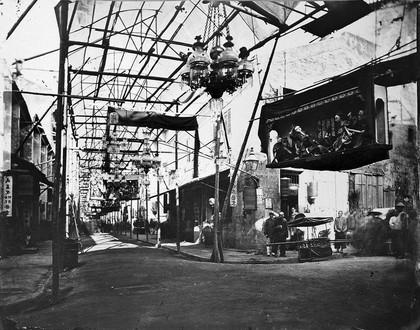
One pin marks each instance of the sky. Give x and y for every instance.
(38, 33)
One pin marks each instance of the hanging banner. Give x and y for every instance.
(8, 195)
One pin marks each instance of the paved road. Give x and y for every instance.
(127, 286)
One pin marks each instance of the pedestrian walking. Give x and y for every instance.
(268, 231)
(398, 226)
(293, 213)
(280, 234)
(340, 229)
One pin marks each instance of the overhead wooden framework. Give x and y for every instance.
(129, 54)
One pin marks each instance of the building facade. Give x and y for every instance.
(314, 192)
(27, 168)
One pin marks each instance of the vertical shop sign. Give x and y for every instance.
(7, 195)
(234, 196)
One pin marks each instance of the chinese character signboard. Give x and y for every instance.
(7, 195)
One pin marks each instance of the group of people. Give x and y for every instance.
(394, 226)
(276, 231)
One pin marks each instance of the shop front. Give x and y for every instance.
(192, 206)
(22, 228)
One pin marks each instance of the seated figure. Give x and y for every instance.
(355, 131)
(303, 144)
(345, 133)
(282, 150)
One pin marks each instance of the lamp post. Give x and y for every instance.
(144, 162)
(146, 183)
(218, 71)
(251, 161)
(158, 234)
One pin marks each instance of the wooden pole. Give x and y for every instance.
(248, 131)
(137, 219)
(178, 221)
(131, 218)
(417, 207)
(64, 221)
(62, 13)
(158, 202)
(20, 19)
(216, 107)
(146, 216)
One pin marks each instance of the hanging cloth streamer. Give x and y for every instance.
(157, 120)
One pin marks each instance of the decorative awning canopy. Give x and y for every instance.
(156, 120)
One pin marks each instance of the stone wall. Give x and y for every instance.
(245, 230)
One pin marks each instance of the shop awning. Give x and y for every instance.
(207, 180)
(21, 164)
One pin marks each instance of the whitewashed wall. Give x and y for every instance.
(332, 195)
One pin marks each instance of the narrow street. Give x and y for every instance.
(120, 285)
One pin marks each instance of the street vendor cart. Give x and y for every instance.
(313, 248)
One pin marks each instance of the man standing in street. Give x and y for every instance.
(340, 228)
(280, 234)
(268, 232)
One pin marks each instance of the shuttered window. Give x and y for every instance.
(373, 193)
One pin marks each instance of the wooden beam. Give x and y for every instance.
(124, 50)
(143, 36)
(118, 74)
(82, 97)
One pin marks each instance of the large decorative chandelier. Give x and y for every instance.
(221, 69)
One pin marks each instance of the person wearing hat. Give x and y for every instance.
(280, 234)
(268, 231)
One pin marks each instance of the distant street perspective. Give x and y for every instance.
(125, 284)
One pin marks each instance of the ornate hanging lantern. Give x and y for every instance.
(185, 74)
(245, 67)
(145, 160)
(221, 70)
(199, 65)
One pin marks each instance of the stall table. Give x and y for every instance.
(314, 249)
